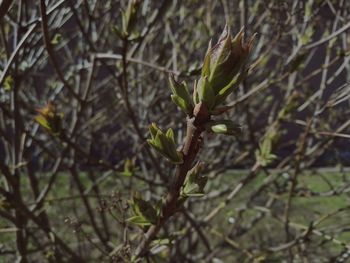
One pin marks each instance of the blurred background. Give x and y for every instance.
(278, 192)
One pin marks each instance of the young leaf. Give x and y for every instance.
(139, 220)
(169, 149)
(153, 130)
(42, 121)
(170, 135)
(195, 182)
(195, 93)
(205, 92)
(265, 156)
(180, 103)
(49, 118)
(181, 95)
(128, 168)
(8, 83)
(206, 63)
(227, 90)
(56, 39)
(144, 209)
(225, 127)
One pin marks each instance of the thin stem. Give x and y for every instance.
(49, 49)
(171, 205)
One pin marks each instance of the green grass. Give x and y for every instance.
(304, 210)
(268, 232)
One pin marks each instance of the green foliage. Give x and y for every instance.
(129, 16)
(164, 144)
(8, 83)
(50, 119)
(145, 213)
(264, 155)
(221, 65)
(129, 19)
(224, 127)
(181, 97)
(56, 39)
(129, 168)
(195, 182)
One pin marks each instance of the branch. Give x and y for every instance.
(190, 150)
(49, 49)
(4, 7)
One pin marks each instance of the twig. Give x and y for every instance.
(197, 227)
(4, 7)
(137, 61)
(298, 158)
(49, 49)
(190, 150)
(331, 36)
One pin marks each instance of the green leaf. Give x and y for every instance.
(170, 135)
(195, 182)
(128, 168)
(169, 148)
(124, 23)
(42, 121)
(219, 128)
(226, 127)
(179, 102)
(129, 16)
(145, 209)
(161, 242)
(153, 130)
(156, 145)
(181, 95)
(206, 63)
(227, 90)
(265, 156)
(139, 220)
(205, 92)
(221, 50)
(164, 144)
(195, 93)
(56, 39)
(266, 146)
(49, 118)
(8, 83)
(172, 156)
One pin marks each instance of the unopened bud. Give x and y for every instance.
(222, 63)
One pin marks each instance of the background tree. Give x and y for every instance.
(80, 83)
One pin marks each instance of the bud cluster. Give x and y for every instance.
(223, 69)
(164, 144)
